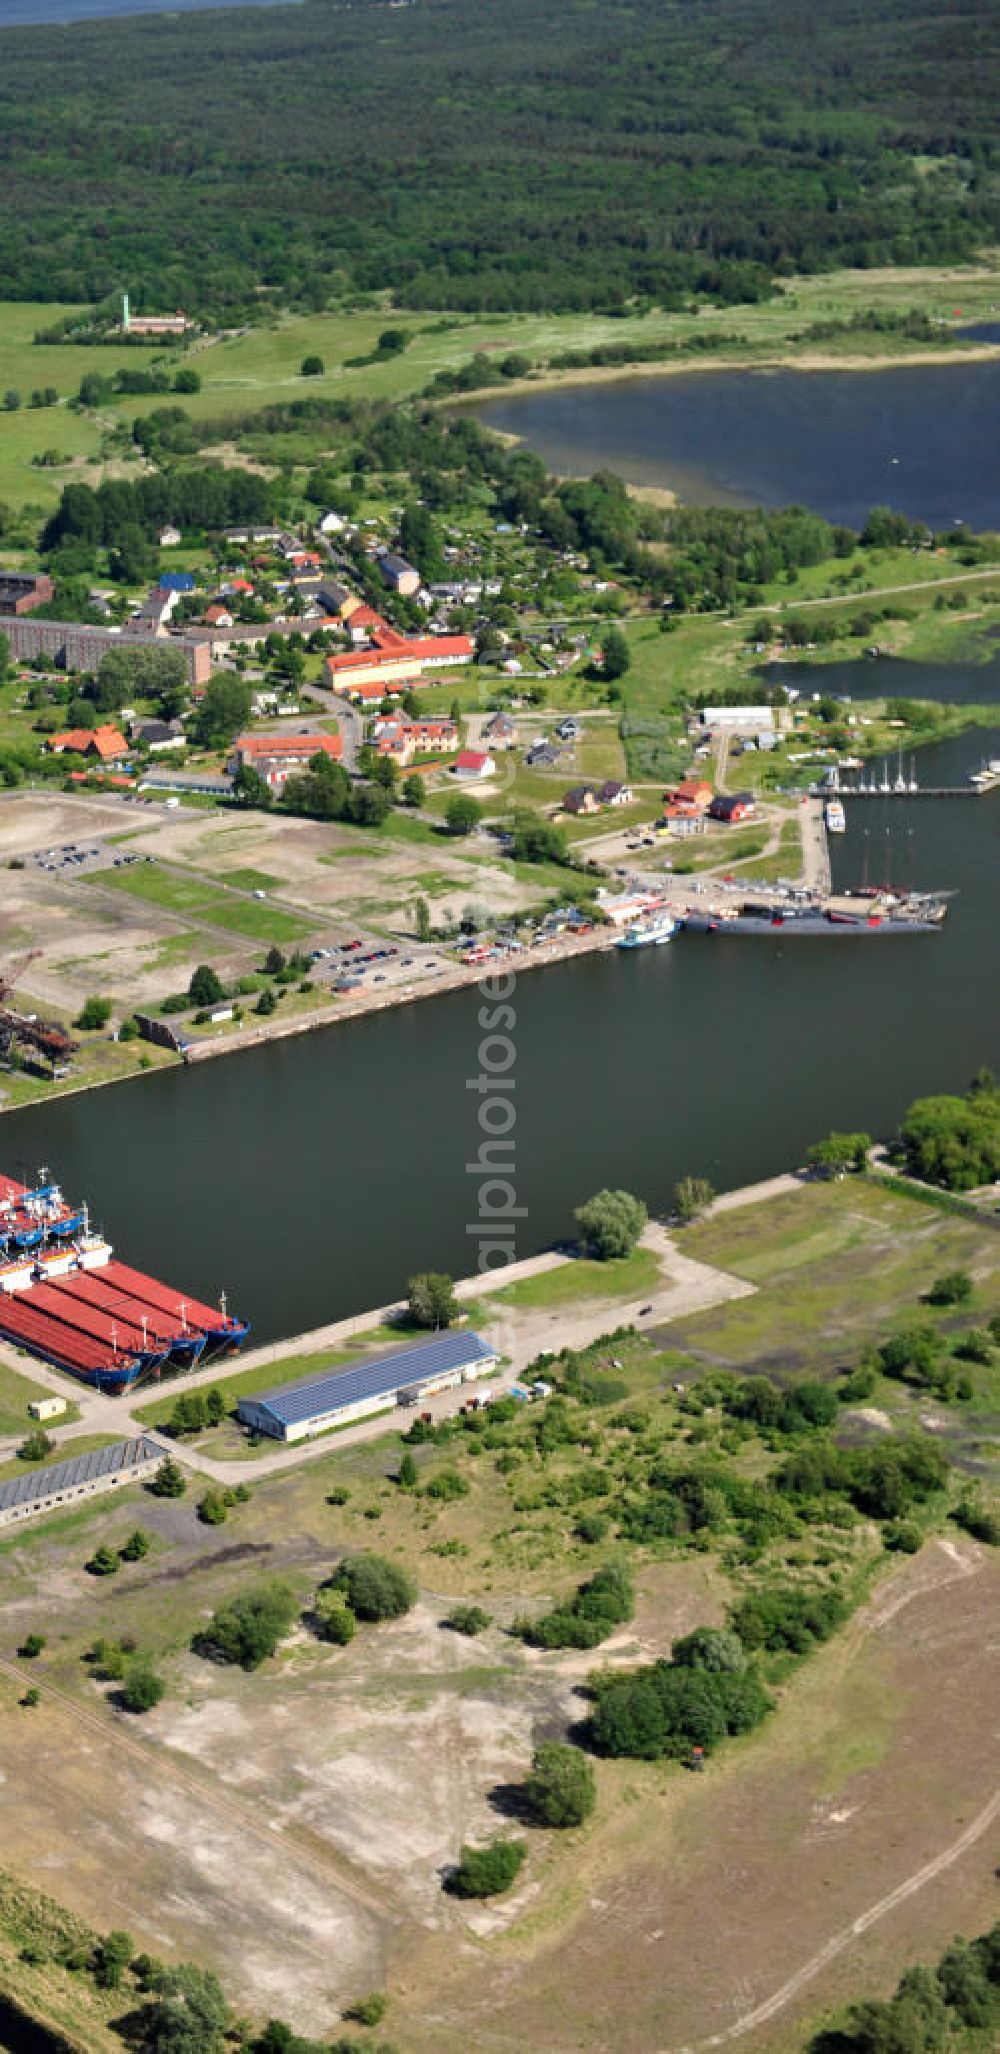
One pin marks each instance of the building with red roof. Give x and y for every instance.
(692, 795)
(108, 743)
(395, 658)
(276, 758)
(473, 763)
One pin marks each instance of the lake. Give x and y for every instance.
(310, 1178)
(918, 437)
(47, 13)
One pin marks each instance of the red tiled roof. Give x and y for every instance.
(302, 746)
(106, 742)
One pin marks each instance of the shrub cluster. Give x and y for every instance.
(665, 1709)
(605, 1601)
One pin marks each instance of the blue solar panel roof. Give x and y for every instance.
(292, 1403)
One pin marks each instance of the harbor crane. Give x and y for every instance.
(45, 1038)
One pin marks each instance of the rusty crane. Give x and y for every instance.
(44, 1038)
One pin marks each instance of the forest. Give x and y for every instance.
(493, 154)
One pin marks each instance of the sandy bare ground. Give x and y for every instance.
(810, 1867)
(330, 869)
(126, 1835)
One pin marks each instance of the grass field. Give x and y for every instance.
(836, 1265)
(16, 1393)
(249, 372)
(620, 1278)
(191, 894)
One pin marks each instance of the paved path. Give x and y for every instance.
(816, 871)
(756, 1194)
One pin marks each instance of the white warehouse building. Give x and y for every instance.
(404, 1376)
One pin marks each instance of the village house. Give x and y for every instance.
(108, 744)
(676, 822)
(692, 795)
(276, 758)
(155, 610)
(399, 575)
(581, 799)
(217, 616)
(500, 731)
(543, 755)
(168, 537)
(611, 793)
(471, 764)
(157, 735)
(732, 807)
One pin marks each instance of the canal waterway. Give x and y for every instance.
(917, 437)
(309, 1178)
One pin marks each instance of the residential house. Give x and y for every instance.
(611, 793)
(108, 744)
(399, 575)
(471, 764)
(581, 799)
(169, 537)
(155, 610)
(217, 616)
(676, 822)
(692, 795)
(244, 535)
(732, 807)
(500, 731)
(331, 524)
(570, 729)
(543, 756)
(157, 735)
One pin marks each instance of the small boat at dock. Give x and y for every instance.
(649, 933)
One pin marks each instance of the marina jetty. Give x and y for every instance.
(978, 784)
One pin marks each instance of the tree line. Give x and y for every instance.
(643, 152)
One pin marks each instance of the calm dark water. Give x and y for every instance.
(45, 13)
(891, 677)
(311, 1178)
(920, 438)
